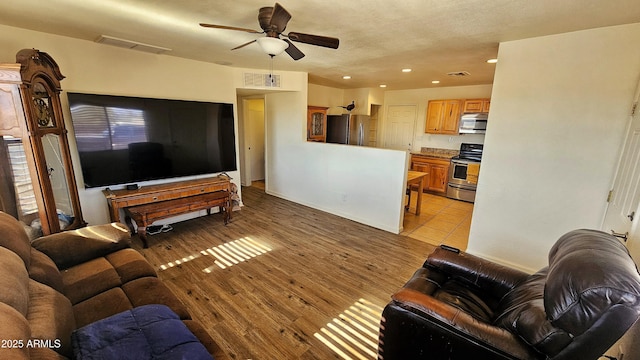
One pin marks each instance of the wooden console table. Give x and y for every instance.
(154, 202)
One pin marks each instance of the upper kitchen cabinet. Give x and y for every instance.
(443, 116)
(316, 123)
(476, 106)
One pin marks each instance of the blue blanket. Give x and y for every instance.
(146, 332)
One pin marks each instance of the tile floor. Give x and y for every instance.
(441, 221)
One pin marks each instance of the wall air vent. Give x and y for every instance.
(128, 44)
(261, 80)
(459, 73)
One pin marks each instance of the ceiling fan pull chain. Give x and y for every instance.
(271, 71)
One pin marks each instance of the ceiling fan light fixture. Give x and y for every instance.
(272, 46)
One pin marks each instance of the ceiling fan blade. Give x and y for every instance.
(318, 40)
(230, 28)
(243, 45)
(279, 18)
(293, 51)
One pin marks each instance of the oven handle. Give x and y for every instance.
(462, 187)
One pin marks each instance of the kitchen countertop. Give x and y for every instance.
(437, 152)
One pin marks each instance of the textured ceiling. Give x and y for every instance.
(377, 38)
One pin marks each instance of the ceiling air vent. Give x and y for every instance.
(128, 44)
(261, 80)
(459, 73)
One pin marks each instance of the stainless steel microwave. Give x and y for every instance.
(473, 123)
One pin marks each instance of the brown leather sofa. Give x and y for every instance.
(458, 306)
(64, 281)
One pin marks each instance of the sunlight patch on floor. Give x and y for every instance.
(177, 262)
(225, 255)
(235, 252)
(354, 334)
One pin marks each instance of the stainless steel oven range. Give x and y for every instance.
(461, 186)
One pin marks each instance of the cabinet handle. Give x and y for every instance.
(621, 236)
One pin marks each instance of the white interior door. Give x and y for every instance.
(622, 213)
(400, 126)
(255, 143)
(252, 144)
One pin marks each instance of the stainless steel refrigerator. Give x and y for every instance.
(348, 129)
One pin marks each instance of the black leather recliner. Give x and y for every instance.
(459, 306)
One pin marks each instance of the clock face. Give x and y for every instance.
(42, 112)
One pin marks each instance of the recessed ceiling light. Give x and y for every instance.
(435, 82)
(406, 70)
(383, 85)
(492, 61)
(346, 77)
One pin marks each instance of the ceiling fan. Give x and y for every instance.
(273, 21)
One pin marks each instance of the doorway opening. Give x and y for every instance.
(252, 140)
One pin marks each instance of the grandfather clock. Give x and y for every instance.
(56, 183)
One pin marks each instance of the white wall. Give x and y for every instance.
(360, 97)
(332, 98)
(345, 181)
(559, 108)
(359, 183)
(420, 98)
(103, 69)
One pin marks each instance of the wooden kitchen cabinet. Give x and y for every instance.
(476, 106)
(443, 116)
(438, 170)
(316, 123)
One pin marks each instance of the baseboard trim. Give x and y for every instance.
(332, 211)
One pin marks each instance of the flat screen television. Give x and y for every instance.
(123, 140)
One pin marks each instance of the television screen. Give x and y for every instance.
(128, 139)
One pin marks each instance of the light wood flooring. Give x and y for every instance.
(284, 281)
(441, 221)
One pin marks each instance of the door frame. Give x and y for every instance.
(633, 237)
